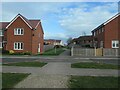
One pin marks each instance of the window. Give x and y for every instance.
(93, 33)
(1, 44)
(18, 31)
(115, 44)
(99, 31)
(102, 29)
(101, 44)
(18, 46)
(1, 33)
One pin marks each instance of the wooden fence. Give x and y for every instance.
(94, 52)
(47, 47)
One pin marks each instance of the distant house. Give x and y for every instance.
(53, 42)
(83, 41)
(22, 35)
(107, 34)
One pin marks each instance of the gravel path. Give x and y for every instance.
(44, 81)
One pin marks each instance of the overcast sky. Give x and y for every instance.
(62, 20)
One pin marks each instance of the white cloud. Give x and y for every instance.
(78, 20)
(74, 19)
(52, 35)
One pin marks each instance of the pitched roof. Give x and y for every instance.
(115, 16)
(112, 18)
(58, 41)
(31, 23)
(3, 25)
(34, 23)
(52, 40)
(81, 38)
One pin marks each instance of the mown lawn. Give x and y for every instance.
(93, 82)
(27, 64)
(9, 80)
(94, 65)
(53, 51)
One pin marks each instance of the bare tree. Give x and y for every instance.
(83, 33)
(69, 40)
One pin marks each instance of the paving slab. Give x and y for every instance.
(44, 81)
(56, 68)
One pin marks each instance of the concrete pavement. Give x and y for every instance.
(44, 81)
(55, 68)
(54, 74)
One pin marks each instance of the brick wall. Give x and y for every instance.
(26, 38)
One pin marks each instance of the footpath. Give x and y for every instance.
(54, 74)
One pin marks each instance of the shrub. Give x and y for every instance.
(5, 51)
(27, 53)
(58, 46)
(18, 53)
(11, 52)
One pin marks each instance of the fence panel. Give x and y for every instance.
(83, 52)
(110, 52)
(94, 52)
(47, 47)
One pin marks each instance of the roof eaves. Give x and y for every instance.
(111, 19)
(19, 15)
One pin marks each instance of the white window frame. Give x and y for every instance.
(115, 42)
(1, 33)
(1, 44)
(18, 48)
(102, 29)
(16, 31)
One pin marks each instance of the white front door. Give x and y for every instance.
(39, 48)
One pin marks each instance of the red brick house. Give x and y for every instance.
(83, 41)
(53, 42)
(107, 34)
(22, 35)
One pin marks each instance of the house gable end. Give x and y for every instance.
(16, 19)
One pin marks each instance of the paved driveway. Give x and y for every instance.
(65, 53)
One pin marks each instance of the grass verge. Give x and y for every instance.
(95, 65)
(27, 64)
(9, 80)
(52, 52)
(93, 82)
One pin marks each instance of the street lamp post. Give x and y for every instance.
(55, 46)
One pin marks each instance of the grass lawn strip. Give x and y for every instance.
(93, 82)
(52, 51)
(27, 64)
(95, 65)
(9, 80)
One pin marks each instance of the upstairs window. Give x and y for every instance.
(1, 33)
(102, 30)
(115, 44)
(18, 31)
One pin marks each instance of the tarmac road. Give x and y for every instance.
(69, 59)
